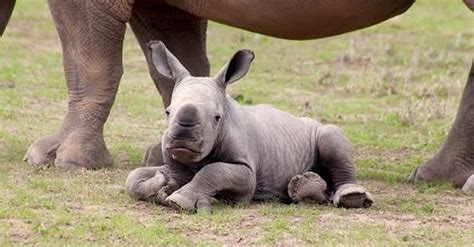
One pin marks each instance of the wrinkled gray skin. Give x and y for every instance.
(215, 148)
(454, 161)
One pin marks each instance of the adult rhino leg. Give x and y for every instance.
(91, 34)
(153, 155)
(184, 35)
(455, 160)
(336, 166)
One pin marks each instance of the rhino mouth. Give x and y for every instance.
(184, 149)
(177, 150)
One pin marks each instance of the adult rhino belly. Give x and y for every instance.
(295, 19)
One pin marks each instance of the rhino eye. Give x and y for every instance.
(217, 118)
(167, 112)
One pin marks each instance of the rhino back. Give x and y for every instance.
(279, 146)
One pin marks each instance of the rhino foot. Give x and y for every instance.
(83, 150)
(468, 187)
(190, 201)
(78, 149)
(153, 155)
(309, 187)
(43, 151)
(352, 196)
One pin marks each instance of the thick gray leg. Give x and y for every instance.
(183, 34)
(336, 167)
(455, 159)
(233, 182)
(150, 184)
(91, 34)
(153, 155)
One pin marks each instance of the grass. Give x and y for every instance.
(394, 88)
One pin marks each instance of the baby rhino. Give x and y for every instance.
(215, 148)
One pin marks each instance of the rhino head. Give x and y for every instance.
(198, 111)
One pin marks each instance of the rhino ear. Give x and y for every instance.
(236, 68)
(165, 62)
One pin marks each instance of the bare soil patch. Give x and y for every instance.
(19, 231)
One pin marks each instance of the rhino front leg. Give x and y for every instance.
(184, 34)
(151, 184)
(336, 166)
(233, 182)
(91, 34)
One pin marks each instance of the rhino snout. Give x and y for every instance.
(187, 116)
(184, 150)
(193, 145)
(190, 133)
(185, 125)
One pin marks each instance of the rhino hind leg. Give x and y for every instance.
(183, 34)
(352, 196)
(308, 188)
(336, 166)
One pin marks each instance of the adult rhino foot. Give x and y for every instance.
(83, 150)
(77, 150)
(352, 196)
(42, 151)
(153, 155)
(454, 161)
(443, 168)
(468, 187)
(190, 201)
(309, 187)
